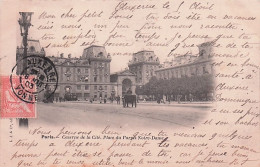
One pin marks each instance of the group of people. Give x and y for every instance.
(59, 99)
(178, 98)
(101, 100)
(117, 98)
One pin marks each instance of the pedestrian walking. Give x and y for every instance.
(190, 97)
(179, 98)
(118, 99)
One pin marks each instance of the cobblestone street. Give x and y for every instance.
(146, 115)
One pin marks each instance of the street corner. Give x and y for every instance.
(11, 105)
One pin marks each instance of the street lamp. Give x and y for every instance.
(113, 93)
(100, 90)
(25, 23)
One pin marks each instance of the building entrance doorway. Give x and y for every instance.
(126, 85)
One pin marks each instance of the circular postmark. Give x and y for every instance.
(35, 74)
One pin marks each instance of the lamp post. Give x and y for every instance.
(100, 90)
(25, 23)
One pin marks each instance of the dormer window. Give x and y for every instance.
(202, 53)
(32, 49)
(204, 70)
(100, 54)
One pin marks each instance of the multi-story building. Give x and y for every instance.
(143, 65)
(85, 77)
(34, 48)
(88, 76)
(188, 65)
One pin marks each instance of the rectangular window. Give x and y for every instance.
(79, 87)
(56, 94)
(205, 71)
(95, 78)
(79, 78)
(78, 70)
(95, 87)
(79, 95)
(86, 87)
(86, 70)
(86, 95)
(95, 71)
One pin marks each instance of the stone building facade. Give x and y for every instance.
(188, 65)
(143, 65)
(34, 48)
(122, 81)
(88, 76)
(85, 77)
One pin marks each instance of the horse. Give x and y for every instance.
(129, 99)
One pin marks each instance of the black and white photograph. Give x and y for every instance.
(129, 83)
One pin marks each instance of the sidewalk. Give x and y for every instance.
(203, 104)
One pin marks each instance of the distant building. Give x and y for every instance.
(143, 65)
(188, 65)
(34, 48)
(85, 77)
(122, 81)
(88, 76)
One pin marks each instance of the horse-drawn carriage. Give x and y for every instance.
(129, 99)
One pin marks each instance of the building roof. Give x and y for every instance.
(124, 72)
(144, 51)
(93, 46)
(95, 51)
(33, 45)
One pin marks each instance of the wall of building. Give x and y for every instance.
(89, 76)
(188, 65)
(143, 65)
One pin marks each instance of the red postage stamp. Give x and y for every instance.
(11, 106)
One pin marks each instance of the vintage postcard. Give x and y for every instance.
(141, 83)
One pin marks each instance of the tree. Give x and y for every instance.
(199, 86)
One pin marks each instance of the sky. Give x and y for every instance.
(101, 28)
